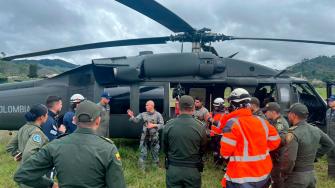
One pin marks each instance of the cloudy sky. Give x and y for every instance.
(27, 26)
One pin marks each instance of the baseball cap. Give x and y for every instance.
(331, 98)
(186, 101)
(299, 109)
(87, 111)
(105, 95)
(272, 106)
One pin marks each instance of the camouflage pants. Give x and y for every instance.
(301, 180)
(149, 145)
(278, 180)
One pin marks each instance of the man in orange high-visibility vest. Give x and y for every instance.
(246, 142)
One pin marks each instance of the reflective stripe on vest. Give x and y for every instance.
(228, 141)
(246, 179)
(273, 138)
(250, 158)
(246, 157)
(266, 128)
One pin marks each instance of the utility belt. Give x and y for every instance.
(198, 165)
(303, 168)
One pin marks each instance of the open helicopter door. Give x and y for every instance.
(303, 92)
(134, 97)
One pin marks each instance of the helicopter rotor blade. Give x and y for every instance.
(127, 42)
(280, 39)
(160, 14)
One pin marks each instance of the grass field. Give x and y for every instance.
(322, 92)
(135, 179)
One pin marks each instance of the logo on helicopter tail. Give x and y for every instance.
(14, 109)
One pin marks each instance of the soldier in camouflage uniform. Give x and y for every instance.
(153, 121)
(30, 137)
(279, 122)
(330, 120)
(255, 108)
(304, 144)
(103, 129)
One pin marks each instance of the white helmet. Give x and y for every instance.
(77, 98)
(239, 95)
(218, 102)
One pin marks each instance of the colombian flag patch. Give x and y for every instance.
(117, 156)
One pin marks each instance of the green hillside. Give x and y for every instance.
(319, 68)
(18, 70)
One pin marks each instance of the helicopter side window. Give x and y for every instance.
(198, 92)
(284, 94)
(152, 93)
(120, 101)
(266, 94)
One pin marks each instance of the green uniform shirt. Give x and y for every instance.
(304, 143)
(29, 139)
(184, 139)
(81, 159)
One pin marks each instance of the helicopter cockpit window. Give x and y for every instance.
(120, 101)
(152, 93)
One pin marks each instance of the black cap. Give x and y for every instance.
(87, 111)
(272, 106)
(186, 101)
(299, 109)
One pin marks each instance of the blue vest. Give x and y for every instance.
(67, 121)
(50, 127)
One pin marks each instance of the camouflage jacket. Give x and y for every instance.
(155, 118)
(260, 114)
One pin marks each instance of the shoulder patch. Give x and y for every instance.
(291, 129)
(37, 138)
(117, 156)
(289, 137)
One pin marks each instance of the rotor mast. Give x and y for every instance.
(196, 47)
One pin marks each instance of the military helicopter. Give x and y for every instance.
(131, 81)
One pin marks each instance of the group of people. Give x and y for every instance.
(84, 127)
(259, 149)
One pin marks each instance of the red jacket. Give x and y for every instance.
(247, 141)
